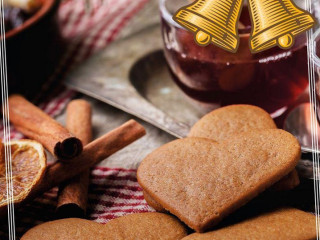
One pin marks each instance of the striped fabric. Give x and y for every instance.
(113, 192)
(89, 30)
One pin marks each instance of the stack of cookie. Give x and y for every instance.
(231, 156)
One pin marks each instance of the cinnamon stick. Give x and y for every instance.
(37, 125)
(93, 153)
(73, 194)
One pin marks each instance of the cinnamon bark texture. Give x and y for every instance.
(37, 125)
(93, 153)
(73, 194)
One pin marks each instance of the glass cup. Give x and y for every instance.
(272, 79)
(316, 67)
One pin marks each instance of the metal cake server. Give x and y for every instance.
(106, 77)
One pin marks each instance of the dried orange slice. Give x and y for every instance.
(28, 167)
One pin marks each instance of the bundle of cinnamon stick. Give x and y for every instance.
(73, 194)
(73, 148)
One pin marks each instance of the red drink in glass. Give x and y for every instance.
(272, 79)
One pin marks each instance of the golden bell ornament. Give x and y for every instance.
(276, 22)
(212, 21)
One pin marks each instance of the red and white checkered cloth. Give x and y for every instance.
(113, 192)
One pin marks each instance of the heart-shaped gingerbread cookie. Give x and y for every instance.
(226, 122)
(201, 182)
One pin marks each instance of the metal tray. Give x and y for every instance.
(132, 75)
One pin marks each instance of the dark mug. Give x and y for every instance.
(33, 51)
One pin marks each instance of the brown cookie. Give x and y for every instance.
(140, 226)
(201, 181)
(288, 182)
(153, 203)
(282, 224)
(224, 122)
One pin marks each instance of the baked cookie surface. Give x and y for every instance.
(201, 181)
(228, 121)
(224, 122)
(139, 226)
(282, 224)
